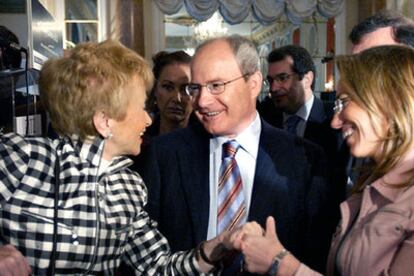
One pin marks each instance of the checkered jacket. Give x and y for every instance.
(101, 219)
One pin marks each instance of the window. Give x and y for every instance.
(81, 21)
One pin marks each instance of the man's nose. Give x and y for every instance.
(204, 98)
(275, 85)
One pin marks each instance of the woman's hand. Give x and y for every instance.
(260, 251)
(12, 262)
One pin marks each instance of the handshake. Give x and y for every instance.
(262, 251)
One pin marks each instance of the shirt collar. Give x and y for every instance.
(395, 175)
(91, 150)
(245, 138)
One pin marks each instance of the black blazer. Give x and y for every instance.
(317, 128)
(290, 184)
(318, 131)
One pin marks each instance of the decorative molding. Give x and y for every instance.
(268, 33)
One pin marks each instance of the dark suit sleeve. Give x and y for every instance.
(292, 185)
(177, 187)
(151, 175)
(322, 211)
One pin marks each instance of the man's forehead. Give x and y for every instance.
(381, 36)
(213, 48)
(214, 63)
(282, 65)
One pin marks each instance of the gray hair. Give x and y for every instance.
(243, 49)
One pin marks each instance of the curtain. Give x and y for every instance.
(265, 11)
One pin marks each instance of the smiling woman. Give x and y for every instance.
(375, 111)
(363, 132)
(378, 121)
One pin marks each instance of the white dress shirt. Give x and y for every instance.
(246, 160)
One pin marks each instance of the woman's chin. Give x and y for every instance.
(137, 150)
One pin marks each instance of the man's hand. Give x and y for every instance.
(232, 239)
(216, 249)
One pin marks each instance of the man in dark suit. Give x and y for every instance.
(291, 79)
(281, 175)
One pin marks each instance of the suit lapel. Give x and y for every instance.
(259, 208)
(268, 183)
(317, 119)
(317, 113)
(195, 179)
(278, 120)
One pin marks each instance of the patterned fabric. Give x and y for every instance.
(101, 219)
(266, 12)
(292, 123)
(231, 203)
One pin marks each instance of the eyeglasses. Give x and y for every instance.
(340, 103)
(214, 88)
(279, 78)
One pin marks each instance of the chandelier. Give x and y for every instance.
(212, 27)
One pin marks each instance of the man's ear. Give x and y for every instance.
(101, 123)
(308, 78)
(256, 81)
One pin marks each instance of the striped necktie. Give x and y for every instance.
(231, 203)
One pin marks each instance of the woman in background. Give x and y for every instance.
(375, 111)
(168, 102)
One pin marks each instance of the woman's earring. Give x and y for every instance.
(108, 135)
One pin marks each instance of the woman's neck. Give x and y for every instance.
(167, 126)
